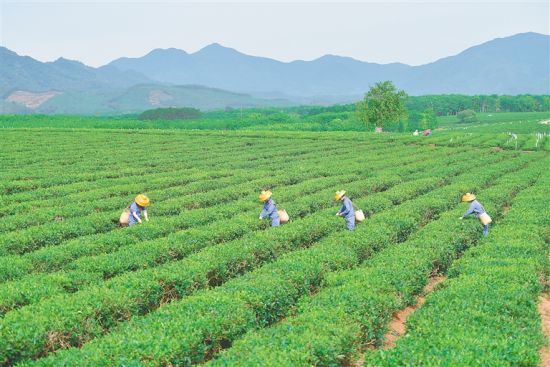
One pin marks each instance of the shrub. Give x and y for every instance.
(184, 113)
(466, 117)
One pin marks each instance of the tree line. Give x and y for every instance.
(170, 113)
(384, 106)
(452, 104)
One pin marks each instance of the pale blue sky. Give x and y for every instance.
(412, 32)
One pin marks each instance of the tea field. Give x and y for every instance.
(205, 282)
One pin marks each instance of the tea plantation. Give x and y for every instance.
(205, 282)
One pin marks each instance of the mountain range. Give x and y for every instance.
(218, 77)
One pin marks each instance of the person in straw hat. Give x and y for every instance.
(138, 208)
(347, 210)
(269, 209)
(477, 209)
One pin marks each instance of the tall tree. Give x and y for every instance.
(428, 119)
(383, 104)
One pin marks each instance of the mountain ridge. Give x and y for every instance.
(501, 58)
(517, 64)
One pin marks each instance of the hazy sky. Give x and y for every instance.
(412, 32)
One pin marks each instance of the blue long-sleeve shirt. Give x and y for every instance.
(347, 209)
(475, 207)
(134, 208)
(269, 210)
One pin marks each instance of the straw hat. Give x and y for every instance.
(468, 197)
(338, 194)
(265, 195)
(142, 200)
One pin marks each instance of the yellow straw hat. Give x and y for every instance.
(468, 197)
(338, 194)
(142, 200)
(265, 195)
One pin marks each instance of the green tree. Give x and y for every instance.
(383, 104)
(361, 112)
(466, 116)
(428, 119)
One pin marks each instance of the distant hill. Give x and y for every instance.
(226, 68)
(66, 86)
(511, 65)
(174, 78)
(203, 98)
(141, 97)
(26, 73)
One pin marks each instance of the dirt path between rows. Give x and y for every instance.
(398, 325)
(544, 311)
